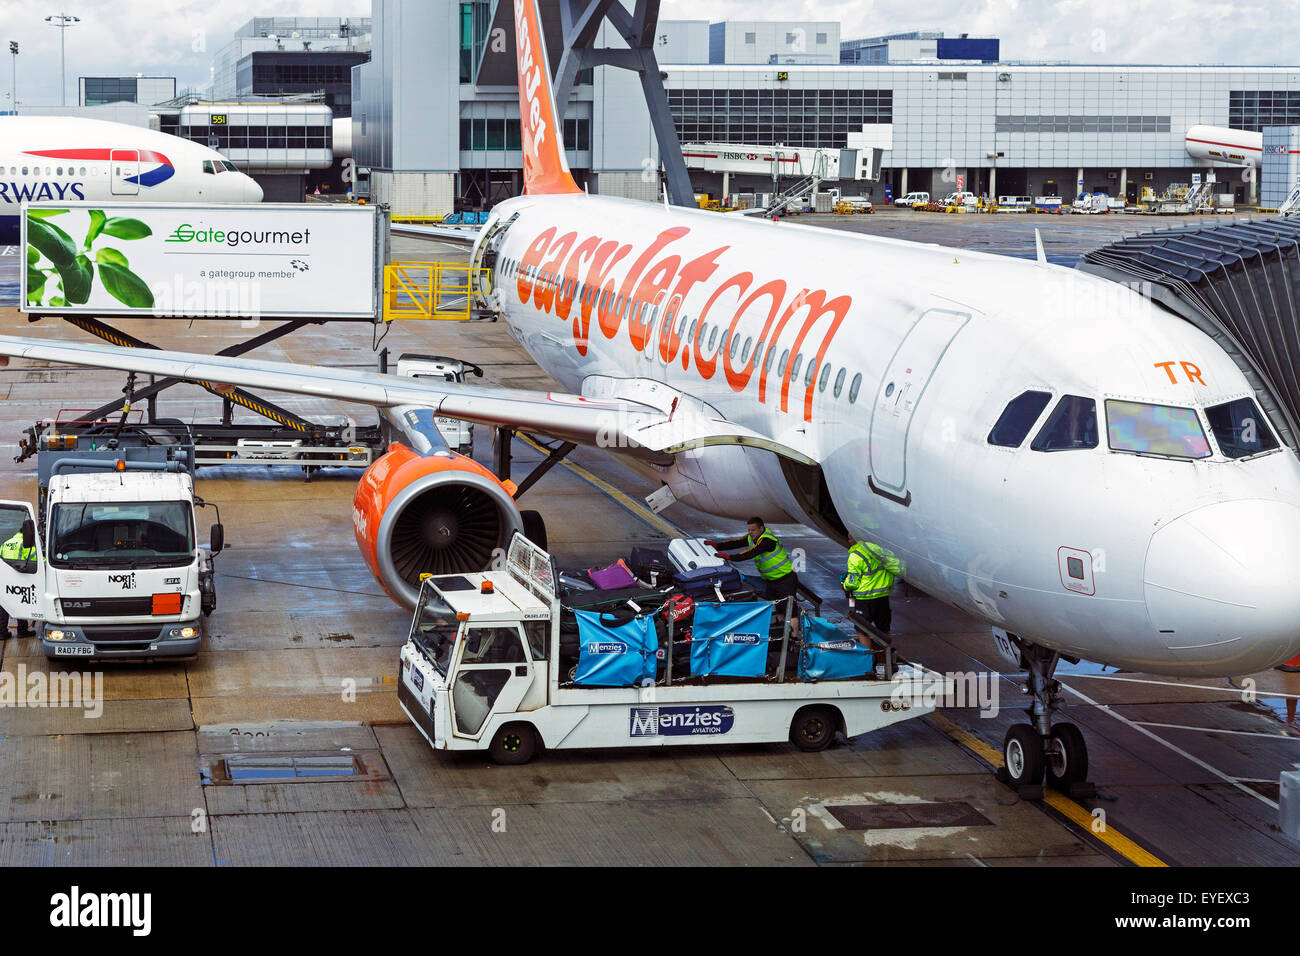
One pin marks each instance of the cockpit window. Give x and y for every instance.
(1155, 430)
(1240, 429)
(208, 167)
(1072, 424)
(1017, 418)
(229, 166)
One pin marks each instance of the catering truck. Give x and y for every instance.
(507, 662)
(115, 571)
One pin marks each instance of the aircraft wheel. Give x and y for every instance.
(534, 528)
(1067, 756)
(812, 729)
(1022, 752)
(513, 744)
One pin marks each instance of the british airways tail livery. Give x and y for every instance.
(49, 158)
(1048, 451)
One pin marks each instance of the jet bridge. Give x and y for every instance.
(1239, 283)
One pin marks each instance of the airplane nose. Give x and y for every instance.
(252, 191)
(1220, 585)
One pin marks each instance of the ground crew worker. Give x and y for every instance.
(14, 554)
(770, 561)
(869, 578)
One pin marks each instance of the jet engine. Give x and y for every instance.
(440, 513)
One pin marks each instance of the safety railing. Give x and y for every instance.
(432, 290)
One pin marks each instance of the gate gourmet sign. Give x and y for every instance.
(259, 260)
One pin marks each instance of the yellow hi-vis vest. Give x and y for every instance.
(773, 564)
(13, 550)
(871, 571)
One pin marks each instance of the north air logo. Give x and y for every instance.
(26, 593)
(681, 721)
(126, 580)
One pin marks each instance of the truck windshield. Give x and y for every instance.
(141, 534)
(434, 629)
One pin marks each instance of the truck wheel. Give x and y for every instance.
(534, 528)
(513, 744)
(813, 728)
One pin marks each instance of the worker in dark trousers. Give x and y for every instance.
(770, 561)
(869, 580)
(22, 559)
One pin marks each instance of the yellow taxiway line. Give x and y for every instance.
(1076, 813)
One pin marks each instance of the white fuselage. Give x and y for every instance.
(1166, 565)
(55, 159)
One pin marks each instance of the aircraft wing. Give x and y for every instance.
(618, 424)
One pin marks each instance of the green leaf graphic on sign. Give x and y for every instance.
(51, 241)
(125, 286)
(97, 220)
(126, 228)
(111, 256)
(57, 302)
(45, 213)
(35, 282)
(77, 277)
(33, 255)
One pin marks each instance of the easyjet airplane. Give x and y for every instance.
(1047, 451)
(50, 158)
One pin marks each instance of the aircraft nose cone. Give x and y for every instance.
(252, 191)
(1221, 585)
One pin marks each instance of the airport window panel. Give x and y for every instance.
(1155, 430)
(1072, 425)
(1240, 429)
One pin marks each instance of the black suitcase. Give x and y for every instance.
(652, 565)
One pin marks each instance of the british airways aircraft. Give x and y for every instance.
(44, 158)
(1048, 451)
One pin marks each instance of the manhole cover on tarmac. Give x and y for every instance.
(290, 768)
(899, 816)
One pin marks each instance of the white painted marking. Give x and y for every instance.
(1166, 744)
(1218, 730)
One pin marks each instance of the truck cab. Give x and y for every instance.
(458, 435)
(117, 572)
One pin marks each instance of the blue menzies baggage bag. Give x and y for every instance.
(614, 654)
(830, 654)
(699, 582)
(730, 640)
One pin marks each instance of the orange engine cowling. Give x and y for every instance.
(441, 513)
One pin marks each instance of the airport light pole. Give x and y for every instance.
(62, 21)
(13, 86)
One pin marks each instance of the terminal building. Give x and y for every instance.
(435, 117)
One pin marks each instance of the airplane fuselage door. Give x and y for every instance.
(124, 170)
(901, 390)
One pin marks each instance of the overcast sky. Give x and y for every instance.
(179, 37)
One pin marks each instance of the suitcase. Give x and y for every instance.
(701, 582)
(689, 554)
(652, 565)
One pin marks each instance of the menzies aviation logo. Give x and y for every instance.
(681, 721)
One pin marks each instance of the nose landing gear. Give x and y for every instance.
(1033, 750)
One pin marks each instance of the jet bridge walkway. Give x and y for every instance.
(1239, 283)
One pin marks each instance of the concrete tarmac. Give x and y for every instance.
(300, 660)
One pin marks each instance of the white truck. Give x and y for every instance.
(117, 573)
(458, 435)
(913, 199)
(484, 668)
